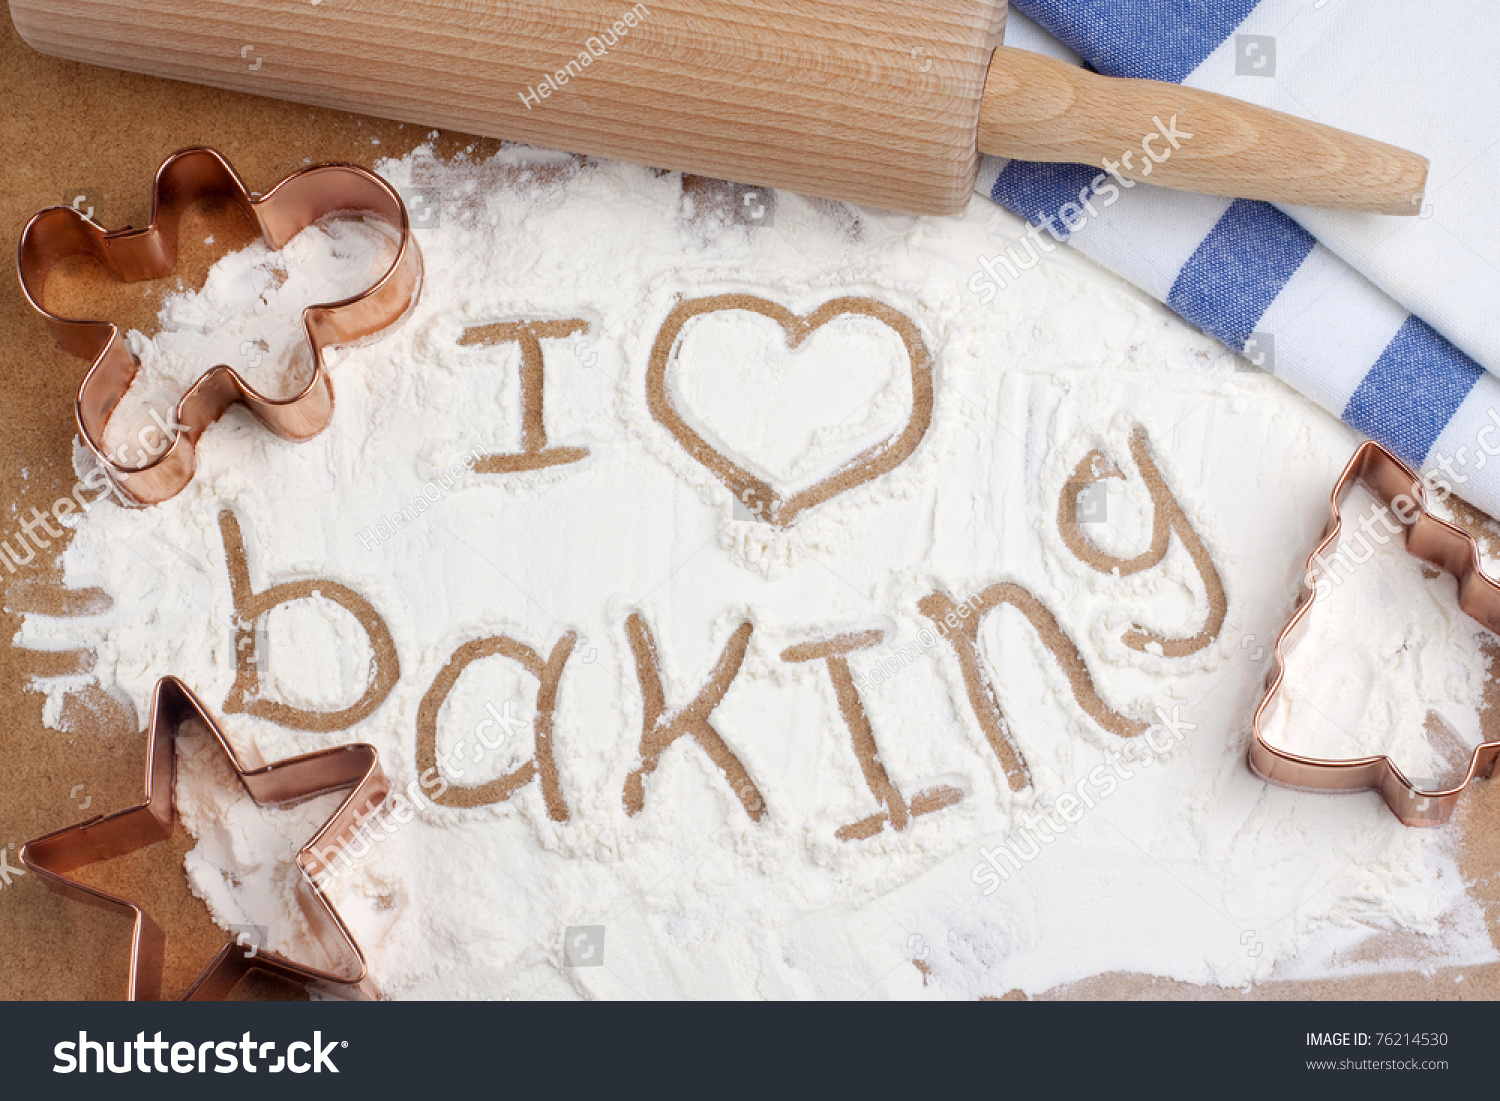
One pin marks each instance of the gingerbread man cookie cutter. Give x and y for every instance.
(1400, 490)
(354, 767)
(299, 200)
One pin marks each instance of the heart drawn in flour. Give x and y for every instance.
(762, 498)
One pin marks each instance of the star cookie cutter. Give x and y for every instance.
(355, 767)
(295, 203)
(1396, 486)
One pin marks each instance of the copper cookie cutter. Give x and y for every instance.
(355, 767)
(295, 203)
(1400, 490)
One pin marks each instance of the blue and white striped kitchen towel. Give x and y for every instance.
(1385, 322)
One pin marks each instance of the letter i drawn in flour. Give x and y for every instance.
(898, 812)
(534, 453)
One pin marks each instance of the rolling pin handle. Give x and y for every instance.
(1039, 109)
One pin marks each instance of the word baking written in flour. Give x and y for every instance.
(664, 722)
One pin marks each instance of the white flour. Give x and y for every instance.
(1190, 868)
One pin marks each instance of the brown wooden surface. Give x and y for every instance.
(71, 128)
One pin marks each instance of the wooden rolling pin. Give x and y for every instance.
(885, 102)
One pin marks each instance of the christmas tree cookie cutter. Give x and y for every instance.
(1401, 491)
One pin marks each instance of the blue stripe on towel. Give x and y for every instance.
(1238, 270)
(1038, 192)
(1155, 39)
(1417, 384)
(1413, 390)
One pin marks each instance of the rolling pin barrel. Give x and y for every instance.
(883, 102)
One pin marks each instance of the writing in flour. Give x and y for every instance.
(662, 723)
(746, 737)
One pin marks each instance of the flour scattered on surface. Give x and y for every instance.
(1162, 875)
